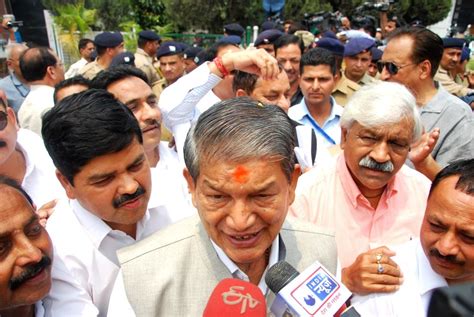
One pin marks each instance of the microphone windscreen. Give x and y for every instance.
(233, 297)
(279, 275)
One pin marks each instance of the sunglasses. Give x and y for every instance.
(3, 120)
(391, 67)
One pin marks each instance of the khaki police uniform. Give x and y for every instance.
(90, 70)
(344, 90)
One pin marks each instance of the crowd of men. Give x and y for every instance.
(132, 184)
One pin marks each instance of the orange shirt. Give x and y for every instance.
(330, 198)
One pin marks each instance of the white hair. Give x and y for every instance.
(380, 104)
(10, 48)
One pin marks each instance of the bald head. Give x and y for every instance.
(41, 65)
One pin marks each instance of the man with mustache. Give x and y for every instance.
(130, 86)
(444, 254)
(26, 253)
(368, 196)
(449, 61)
(97, 146)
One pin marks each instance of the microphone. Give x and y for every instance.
(233, 297)
(314, 292)
(452, 301)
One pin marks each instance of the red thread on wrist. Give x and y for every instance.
(218, 62)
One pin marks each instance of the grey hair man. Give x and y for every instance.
(380, 199)
(411, 58)
(14, 85)
(241, 172)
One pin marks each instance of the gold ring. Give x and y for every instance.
(378, 258)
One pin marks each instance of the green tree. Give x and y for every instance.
(428, 11)
(295, 9)
(189, 15)
(74, 21)
(149, 13)
(111, 13)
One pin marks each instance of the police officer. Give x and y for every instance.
(357, 58)
(172, 66)
(145, 55)
(266, 40)
(108, 45)
(344, 87)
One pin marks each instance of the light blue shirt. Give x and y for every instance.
(330, 133)
(15, 90)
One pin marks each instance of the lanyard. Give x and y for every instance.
(320, 130)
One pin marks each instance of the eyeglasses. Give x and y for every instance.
(392, 68)
(3, 120)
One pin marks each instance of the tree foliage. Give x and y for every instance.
(149, 13)
(212, 15)
(74, 21)
(295, 9)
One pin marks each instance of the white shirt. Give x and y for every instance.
(75, 68)
(38, 101)
(413, 297)
(239, 274)
(85, 263)
(182, 102)
(40, 180)
(169, 195)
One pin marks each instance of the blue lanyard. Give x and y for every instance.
(320, 130)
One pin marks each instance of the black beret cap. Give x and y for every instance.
(333, 45)
(191, 52)
(108, 39)
(268, 37)
(357, 45)
(234, 29)
(149, 35)
(169, 48)
(376, 54)
(125, 58)
(451, 42)
(231, 39)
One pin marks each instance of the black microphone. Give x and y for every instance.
(453, 301)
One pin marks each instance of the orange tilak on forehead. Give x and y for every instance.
(240, 174)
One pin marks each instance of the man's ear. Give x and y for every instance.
(241, 93)
(343, 137)
(68, 187)
(425, 69)
(293, 182)
(191, 185)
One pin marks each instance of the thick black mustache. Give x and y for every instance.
(29, 272)
(127, 197)
(449, 258)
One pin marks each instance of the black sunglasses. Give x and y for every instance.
(3, 120)
(392, 68)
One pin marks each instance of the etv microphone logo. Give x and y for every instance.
(233, 297)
